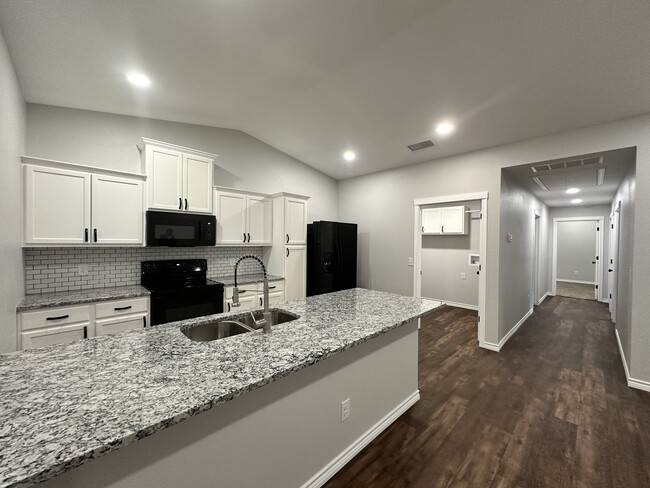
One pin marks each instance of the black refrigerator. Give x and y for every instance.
(331, 257)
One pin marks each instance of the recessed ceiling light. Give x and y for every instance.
(576, 200)
(444, 128)
(138, 79)
(349, 156)
(571, 191)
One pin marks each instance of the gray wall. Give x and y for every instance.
(108, 140)
(580, 211)
(631, 325)
(382, 205)
(12, 141)
(516, 291)
(576, 250)
(444, 258)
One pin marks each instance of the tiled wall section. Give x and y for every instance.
(57, 269)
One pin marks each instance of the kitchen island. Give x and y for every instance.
(270, 404)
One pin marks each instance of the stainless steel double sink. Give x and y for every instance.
(231, 327)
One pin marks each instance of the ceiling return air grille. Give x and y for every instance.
(569, 164)
(421, 145)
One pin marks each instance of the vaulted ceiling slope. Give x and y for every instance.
(314, 78)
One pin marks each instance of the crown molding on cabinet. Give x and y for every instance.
(53, 163)
(144, 141)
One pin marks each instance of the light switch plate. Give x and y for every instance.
(410, 261)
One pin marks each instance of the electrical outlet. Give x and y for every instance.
(345, 409)
(463, 276)
(82, 269)
(410, 261)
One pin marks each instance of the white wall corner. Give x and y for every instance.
(491, 346)
(631, 382)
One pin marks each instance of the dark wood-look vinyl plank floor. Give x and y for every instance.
(552, 409)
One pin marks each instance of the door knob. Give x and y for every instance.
(610, 270)
(593, 262)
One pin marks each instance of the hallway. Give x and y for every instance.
(552, 409)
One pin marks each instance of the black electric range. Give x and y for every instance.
(180, 289)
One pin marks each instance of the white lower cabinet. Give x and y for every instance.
(295, 272)
(49, 326)
(251, 296)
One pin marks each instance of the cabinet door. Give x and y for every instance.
(431, 220)
(453, 220)
(57, 206)
(259, 220)
(247, 301)
(164, 178)
(294, 272)
(274, 298)
(197, 184)
(231, 218)
(295, 221)
(112, 326)
(117, 210)
(53, 335)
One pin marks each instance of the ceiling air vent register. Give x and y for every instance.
(421, 145)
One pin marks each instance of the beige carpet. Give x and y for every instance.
(575, 290)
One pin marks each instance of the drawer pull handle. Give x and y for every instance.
(60, 317)
(272, 287)
(118, 309)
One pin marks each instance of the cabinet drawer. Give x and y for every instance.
(244, 291)
(53, 335)
(121, 307)
(53, 317)
(275, 286)
(119, 324)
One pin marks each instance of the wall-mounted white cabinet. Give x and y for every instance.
(49, 326)
(243, 218)
(445, 221)
(64, 206)
(179, 179)
(288, 255)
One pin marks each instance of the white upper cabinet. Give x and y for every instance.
(295, 220)
(243, 218)
(117, 210)
(70, 207)
(178, 178)
(56, 206)
(444, 221)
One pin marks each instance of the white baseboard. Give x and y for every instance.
(577, 281)
(497, 347)
(320, 478)
(539, 302)
(455, 304)
(631, 382)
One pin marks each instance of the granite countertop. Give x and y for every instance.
(65, 404)
(245, 279)
(49, 300)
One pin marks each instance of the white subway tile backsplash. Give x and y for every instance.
(56, 269)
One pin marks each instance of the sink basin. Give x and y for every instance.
(229, 328)
(277, 317)
(212, 332)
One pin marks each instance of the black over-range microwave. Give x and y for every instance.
(180, 229)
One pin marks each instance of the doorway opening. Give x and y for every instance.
(578, 257)
(450, 228)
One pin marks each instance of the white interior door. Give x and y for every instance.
(295, 281)
(295, 221)
(231, 218)
(197, 182)
(164, 178)
(57, 206)
(117, 210)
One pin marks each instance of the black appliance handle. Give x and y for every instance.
(119, 309)
(200, 231)
(85, 332)
(60, 317)
(86, 235)
(186, 204)
(180, 203)
(95, 234)
(339, 253)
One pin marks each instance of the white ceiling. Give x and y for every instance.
(616, 164)
(314, 77)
